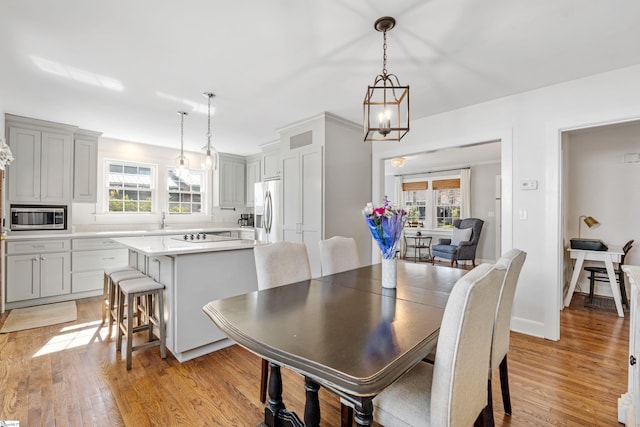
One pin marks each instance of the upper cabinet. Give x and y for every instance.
(271, 164)
(254, 164)
(85, 163)
(229, 181)
(41, 170)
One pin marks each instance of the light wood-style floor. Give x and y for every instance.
(68, 375)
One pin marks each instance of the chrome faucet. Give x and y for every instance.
(164, 220)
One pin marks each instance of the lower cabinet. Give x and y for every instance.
(38, 269)
(38, 275)
(89, 258)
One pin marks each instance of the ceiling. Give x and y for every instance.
(126, 67)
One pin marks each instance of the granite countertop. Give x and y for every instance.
(22, 235)
(166, 245)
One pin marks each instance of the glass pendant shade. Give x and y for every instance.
(211, 154)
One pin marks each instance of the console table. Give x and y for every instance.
(614, 254)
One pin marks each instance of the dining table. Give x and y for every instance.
(343, 332)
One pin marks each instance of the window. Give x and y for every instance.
(130, 187)
(447, 201)
(415, 202)
(185, 192)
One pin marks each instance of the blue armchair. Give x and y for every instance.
(464, 249)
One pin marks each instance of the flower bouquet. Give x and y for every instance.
(386, 223)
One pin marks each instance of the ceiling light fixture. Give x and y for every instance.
(182, 162)
(386, 102)
(398, 162)
(211, 154)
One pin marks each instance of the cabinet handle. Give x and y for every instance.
(632, 360)
(37, 246)
(42, 258)
(111, 257)
(155, 260)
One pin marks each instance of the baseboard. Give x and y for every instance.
(528, 327)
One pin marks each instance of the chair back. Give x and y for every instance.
(281, 263)
(338, 254)
(459, 385)
(512, 261)
(626, 248)
(473, 223)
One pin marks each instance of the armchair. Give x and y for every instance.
(464, 249)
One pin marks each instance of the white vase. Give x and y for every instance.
(389, 273)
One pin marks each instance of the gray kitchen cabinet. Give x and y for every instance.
(38, 269)
(253, 176)
(325, 176)
(41, 171)
(229, 181)
(89, 258)
(271, 164)
(85, 165)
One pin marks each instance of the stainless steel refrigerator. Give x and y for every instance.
(266, 215)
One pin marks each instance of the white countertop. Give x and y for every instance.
(163, 245)
(25, 235)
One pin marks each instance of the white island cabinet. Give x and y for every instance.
(193, 275)
(629, 403)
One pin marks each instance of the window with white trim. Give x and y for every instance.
(446, 202)
(131, 187)
(185, 191)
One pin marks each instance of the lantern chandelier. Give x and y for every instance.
(211, 154)
(386, 103)
(182, 162)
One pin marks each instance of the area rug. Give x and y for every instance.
(602, 303)
(39, 316)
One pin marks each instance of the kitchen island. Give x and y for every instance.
(194, 272)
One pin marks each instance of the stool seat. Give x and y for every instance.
(105, 290)
(115, 279)
(151, 294)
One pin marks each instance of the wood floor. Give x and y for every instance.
(68, 375)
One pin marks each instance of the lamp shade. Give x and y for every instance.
(591, 221)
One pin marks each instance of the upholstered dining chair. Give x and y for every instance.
(463, 243)
(599, 274)
(279, 264)
(453, 391)
(512, 261)
(338, 254)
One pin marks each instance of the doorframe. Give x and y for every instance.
(553, 281)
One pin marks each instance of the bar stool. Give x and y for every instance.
(114, 280)
(107, 282)
(152, 293)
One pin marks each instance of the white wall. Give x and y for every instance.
(602, 185)
(89, 216)
(529, 126)
(483, 206)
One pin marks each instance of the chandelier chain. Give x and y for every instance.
(384, 55)
(181, 135)
(209, 122)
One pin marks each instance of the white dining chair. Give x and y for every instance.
(453, 391)
(279, 264)
(338, 254)
(512, 261)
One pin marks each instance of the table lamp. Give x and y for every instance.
(589, 220)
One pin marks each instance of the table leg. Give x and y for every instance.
(275, 414)
(574, 278)
(364, 413)
(615, 290)
(312, 404)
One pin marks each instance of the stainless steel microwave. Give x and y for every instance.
(38, 217)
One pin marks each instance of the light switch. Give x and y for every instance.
(523, 214)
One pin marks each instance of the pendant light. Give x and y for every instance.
(386, 103)
(211, 154)
(182, 162)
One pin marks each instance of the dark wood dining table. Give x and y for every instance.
(344, 332)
